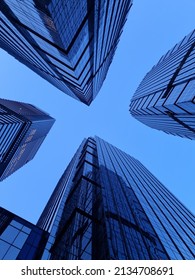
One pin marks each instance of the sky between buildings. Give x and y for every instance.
(152, 28)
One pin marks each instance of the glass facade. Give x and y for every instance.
(69, 43)
(165, 99)
(23, 128)
(19, 239)
(107, 205)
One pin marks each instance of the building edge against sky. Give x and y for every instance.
(20, 239)
(165, 99)
(74, 56)
(107, 205)
(23, 128)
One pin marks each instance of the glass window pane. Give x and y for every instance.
(9, 234)
(3, 248)
(26, 229)
(11, 254)
(20, 239)
(16, 224)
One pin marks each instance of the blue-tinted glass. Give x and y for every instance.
(16, 224)
(3, 248)
(59, 33)
(9, 234)
(20, 239)
(173, 76)
(12, 253)
(26, 229)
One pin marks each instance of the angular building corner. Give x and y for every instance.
(23, 128)
(108, 206)
(20, 239)
(165, 99)
(70, 43)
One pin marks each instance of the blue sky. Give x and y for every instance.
(152, 28)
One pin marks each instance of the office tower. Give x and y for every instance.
(165, 99)
(70, 43)
(23, 128)
(107, 205)
(20, 239)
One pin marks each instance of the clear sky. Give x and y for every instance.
(152, 28)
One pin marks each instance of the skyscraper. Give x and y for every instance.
(23, 128)
(165, 99)
(107, 205)
(20, 239)
(70, 43)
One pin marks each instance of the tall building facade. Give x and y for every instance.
(108, 206)
(70, 43)
(165, 99)
(19, 239)
(23, 128)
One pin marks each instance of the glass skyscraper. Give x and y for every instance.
(70, 43)
(19, 239)
(165, 99)
(23, 128)
(108, 206)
